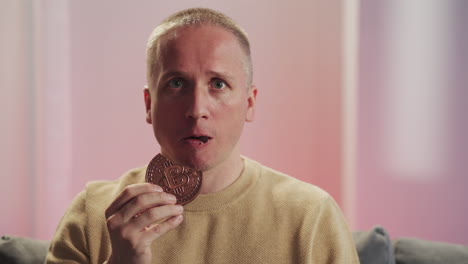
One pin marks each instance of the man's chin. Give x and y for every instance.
(192, 161)
(200, 165)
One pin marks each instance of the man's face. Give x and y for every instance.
(200, 99)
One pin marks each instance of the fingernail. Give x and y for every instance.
(179, 208)
(171, 197)
(158, 188)
(178, 218)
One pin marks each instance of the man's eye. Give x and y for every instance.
(176, 83)
(218, 84)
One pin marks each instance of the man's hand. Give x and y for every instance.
(131, 221)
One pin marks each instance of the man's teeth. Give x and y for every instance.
(203, 139)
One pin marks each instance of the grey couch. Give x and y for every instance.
(373, 246)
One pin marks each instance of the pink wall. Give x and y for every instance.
(16, 130)
(412, 147)
(101, 132)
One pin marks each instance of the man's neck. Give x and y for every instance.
(223, 175)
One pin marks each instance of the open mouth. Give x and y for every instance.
(201, 139)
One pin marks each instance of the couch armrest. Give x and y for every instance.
(374, 246)
(15, 250)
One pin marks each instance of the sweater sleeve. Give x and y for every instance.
(69, 243)
(331, 241)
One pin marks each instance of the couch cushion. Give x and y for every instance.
(417, 251)
(15, 250)
(374, 246)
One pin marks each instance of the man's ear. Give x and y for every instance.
(252, 100)
(147, 97)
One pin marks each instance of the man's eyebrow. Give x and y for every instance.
(220, 74)
(172, 73)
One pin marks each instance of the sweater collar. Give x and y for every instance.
(229, 195)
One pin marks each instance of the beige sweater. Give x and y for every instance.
(263, 217)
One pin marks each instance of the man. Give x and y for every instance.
(199, 95)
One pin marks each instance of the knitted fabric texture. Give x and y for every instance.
(263, 217)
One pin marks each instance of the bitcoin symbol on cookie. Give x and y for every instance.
(176, 178)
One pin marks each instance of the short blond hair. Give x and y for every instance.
(193, 17)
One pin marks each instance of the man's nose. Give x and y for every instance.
(198, 103)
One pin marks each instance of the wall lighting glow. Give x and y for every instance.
(415, 108)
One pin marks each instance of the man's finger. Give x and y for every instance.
(129, 193)
(157, 230)
(141, 203)
(156, 215)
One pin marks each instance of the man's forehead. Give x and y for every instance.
(198, 37)
(196, 30)
(205, 44)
